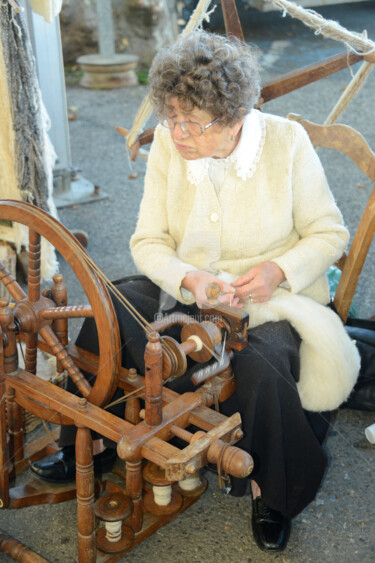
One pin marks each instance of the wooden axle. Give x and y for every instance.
(218, 450)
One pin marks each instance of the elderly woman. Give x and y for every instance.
(239, 198)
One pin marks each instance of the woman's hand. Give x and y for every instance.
(259, 283)
(197, 281)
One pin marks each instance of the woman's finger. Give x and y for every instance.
(245, 278)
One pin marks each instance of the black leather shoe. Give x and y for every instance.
(60, 467)
(271, 530)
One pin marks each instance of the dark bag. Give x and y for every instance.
(363, 395)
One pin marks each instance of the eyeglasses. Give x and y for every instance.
(189, 127)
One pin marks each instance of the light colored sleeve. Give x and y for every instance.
(317, 219)
(152, 247)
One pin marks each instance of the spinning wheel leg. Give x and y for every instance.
(14, 411)
(85, 494)
(134, 490)
(15, 430)
(4, 471)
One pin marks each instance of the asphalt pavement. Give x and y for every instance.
(340, 524)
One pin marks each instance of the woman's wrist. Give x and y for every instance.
(189, 281)
(279, 274)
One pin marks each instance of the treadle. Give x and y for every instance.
(39, 492)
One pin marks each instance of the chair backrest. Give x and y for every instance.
(348, 141)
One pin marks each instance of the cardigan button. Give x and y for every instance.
(214, 217)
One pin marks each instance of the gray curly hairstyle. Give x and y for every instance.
(207, 71)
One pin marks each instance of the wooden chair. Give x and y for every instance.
(348, 141)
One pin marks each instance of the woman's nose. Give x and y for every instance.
(178, 133)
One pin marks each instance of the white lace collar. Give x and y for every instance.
(245, 156)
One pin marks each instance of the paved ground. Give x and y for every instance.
(340, 524)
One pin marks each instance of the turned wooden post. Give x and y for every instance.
(18, 551)
(33, 293)
(14, 411)
(133, 404)
(134, 490)
(153, 380)
(10, 346)
(4, 470)
(85, 492)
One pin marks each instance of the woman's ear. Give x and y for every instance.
(236, 128)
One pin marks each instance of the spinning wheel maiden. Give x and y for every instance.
(160, 480)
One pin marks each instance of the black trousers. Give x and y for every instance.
(284, 439)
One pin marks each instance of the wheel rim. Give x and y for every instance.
(108, 334)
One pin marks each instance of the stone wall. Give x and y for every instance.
(141, 27)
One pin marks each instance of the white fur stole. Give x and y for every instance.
(330, 361)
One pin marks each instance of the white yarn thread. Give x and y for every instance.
(357, 42)
(113, 531)
(350, 92)
(162, 495)
(190, 483)
(197, 341)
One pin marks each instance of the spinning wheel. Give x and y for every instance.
(170, 482)
(35, 314)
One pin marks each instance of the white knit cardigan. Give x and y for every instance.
(274, 204)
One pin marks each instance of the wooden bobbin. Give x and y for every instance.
(163, 498)
(114, 536)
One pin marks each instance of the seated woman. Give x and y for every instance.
(239, 197)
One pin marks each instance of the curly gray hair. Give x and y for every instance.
(207, 71)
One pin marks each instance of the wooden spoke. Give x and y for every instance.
(65, 360)
(70, 312)
(10, 283)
